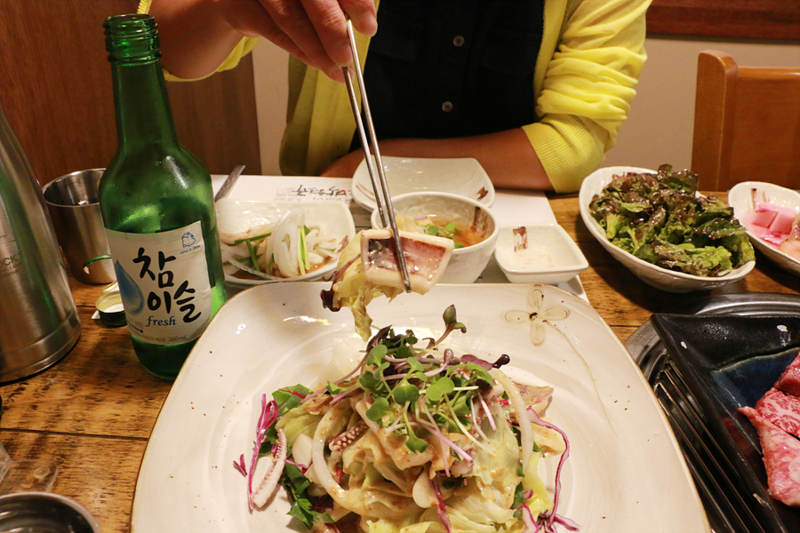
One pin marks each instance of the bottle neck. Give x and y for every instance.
(142, 105)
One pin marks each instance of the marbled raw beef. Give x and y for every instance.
(781, 409)
(781, 458)
(789, 382)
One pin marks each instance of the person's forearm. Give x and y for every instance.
(195, 37)
(507, 156)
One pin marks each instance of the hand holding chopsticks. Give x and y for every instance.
(370, 147)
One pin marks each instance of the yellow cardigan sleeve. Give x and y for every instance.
(244, 47)
(585, 87)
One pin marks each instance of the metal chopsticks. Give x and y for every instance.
(379, 185)
(229, 182)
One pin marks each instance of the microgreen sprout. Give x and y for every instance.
(378, 408)
(413, 443)
(405, 394)
(402, 378)
(451, 323)
(439, 388)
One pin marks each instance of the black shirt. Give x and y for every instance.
(452, 68)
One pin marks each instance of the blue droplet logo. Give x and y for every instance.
(132, 296)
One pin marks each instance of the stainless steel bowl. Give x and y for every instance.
(44, 512)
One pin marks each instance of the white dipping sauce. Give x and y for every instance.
(532, 257)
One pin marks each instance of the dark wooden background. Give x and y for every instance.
(55, 89)
(757, 19)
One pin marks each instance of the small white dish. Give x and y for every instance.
(466, 264)
(655, 276)
(461, 176)
(554, 259)
(236, 216)
(740, 198)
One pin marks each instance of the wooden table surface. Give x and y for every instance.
(93, 412)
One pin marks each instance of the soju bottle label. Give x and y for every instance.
(164, 283)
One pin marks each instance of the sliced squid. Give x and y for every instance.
(268, 470)
(426, 259)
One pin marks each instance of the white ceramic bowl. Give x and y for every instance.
(740, 198)
(463, 176)
(466, 264)
(660, 278)
(560, 258)
(234, 216)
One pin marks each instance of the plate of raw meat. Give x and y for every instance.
(736, 396)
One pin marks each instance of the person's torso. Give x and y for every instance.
(453, 68)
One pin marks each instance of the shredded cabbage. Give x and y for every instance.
(418, 440)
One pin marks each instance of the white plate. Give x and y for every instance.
(234, 216)
(625, 473)
(655, 276)
(462, 176)
(740, 199)
(567, 259)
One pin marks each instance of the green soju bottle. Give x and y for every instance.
(158, 208)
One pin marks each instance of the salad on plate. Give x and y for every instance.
(418, 438)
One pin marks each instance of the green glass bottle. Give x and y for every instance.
(158, 208)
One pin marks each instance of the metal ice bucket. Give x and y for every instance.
(39, 322)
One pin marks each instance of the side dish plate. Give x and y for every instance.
(625, 472)
(566, 259)
(463, 176)
(655, 276)
(237, 216)
(740, 198)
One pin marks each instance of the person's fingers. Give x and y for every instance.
(363, 15)
(292, 19)
(252, 20)
(256, 22)
(328, 18)
(318, 37)
(329, 22)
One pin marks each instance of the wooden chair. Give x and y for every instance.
(746, 123)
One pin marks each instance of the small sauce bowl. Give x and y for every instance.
(551, 256)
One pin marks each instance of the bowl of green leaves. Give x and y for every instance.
(667, 234)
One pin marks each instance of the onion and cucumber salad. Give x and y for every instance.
(287, 249)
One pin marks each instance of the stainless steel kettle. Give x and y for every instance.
(39, 321)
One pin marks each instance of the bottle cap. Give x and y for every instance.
(112, 313)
